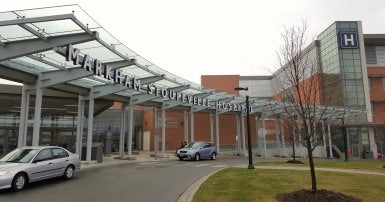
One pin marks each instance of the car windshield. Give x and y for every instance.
(20, 156)
(193, 145)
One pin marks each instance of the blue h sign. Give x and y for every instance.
(348, 39)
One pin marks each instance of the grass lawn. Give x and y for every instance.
(240, 184)
(359, 164)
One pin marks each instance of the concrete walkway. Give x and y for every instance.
(142, 156)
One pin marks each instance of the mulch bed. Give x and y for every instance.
(294, 162)
(320, 196)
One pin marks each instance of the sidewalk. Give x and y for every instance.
(142, 156)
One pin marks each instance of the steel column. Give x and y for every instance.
(324, 137)
(156, 132)
(79, 128)
(192, 125)
(91, 105)
(330, 142)
(122, 129)
(185, 126)
(130, 130)
(211, 128)
(243, 134)
(277, 132)
(283, 137)
(264, 138)
(37, 117)
(238, 135)
(163, 132)
(24, 110)
(217, 129)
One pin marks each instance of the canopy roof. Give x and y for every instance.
(33, 47)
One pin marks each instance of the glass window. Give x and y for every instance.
(44, 155)
(372, 108)
(59, 153)
(370, 83)
(383, 82)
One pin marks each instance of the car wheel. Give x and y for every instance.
(180, 158)
(69, 172)
(197, 157)
(19, 182)
(213, 156)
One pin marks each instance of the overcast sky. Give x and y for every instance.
(215, 37)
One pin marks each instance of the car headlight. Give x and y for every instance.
(5, 172)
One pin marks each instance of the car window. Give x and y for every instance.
(20, 155)
(194, 145)
(59, 153)
(44, 155)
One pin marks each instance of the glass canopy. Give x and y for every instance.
(35, 40)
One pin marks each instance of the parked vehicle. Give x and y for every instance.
(29, 164)
(197, 150)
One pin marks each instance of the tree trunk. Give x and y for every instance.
(293, 152)
(311, 164)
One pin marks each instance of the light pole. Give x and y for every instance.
(251, 165)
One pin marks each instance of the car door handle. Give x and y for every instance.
(50, 164)
(67, 160)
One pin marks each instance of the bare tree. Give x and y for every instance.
(298, 84)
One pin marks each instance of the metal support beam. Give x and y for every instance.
(130, 130)
(90, 126)
(122, 129)
(42, 60)
(211, 128)
(36, 19)
(24, 111)
(79, 127)
(217, 130)
(186, 126)
(197, 108)
(264, 138)
(179, 88)
(243, 134)
(21, 48)
(103, 90)
(192, 128)
(258, 120)
(330, 142)
(37, 117)
(113, 65)
(61, 76)
(283, 136)
(171, 104)
(324, 137)
(163, 132)
(238, 134)
(156, 132)
(34, 32)
(277, 132)
(151, 79)
(141, 97)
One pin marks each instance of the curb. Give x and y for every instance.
(189, 193)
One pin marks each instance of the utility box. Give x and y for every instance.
(96, 152)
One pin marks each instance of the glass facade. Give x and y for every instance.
(61, 130)
(342, 79)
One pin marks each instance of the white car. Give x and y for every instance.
(29, 164)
